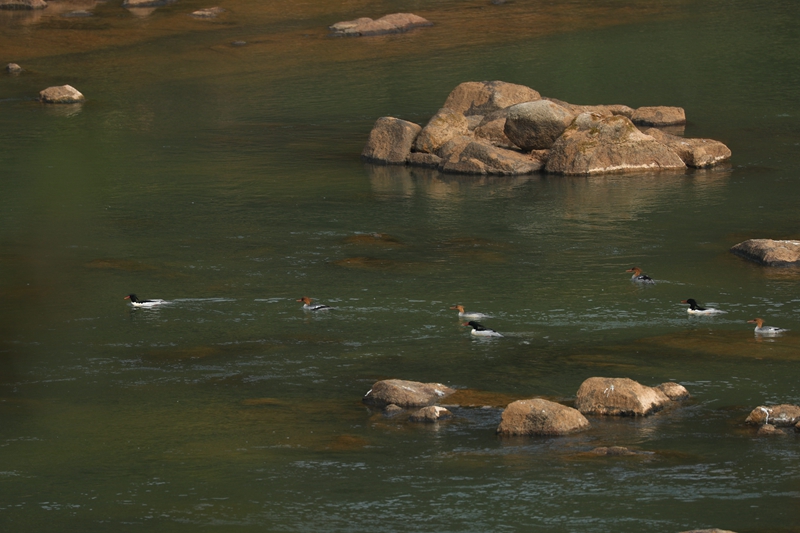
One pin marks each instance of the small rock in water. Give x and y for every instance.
(62, 94)
(238, 43)
(78, 14)
(208, 13)
(13, 68)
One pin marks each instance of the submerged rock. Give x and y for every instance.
(23, 4)
(594, 144)
(783, 415)
(540, 417)
(769, 430)
(394, 23)
(619, 397)
(405, 393)
(208, 13)
(696, 153)
(432, 413)
(62, 94)
(769, 252)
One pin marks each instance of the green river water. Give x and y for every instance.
(227, 180)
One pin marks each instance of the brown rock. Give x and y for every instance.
(613, 451)
(405, 393)
(482, 158)
(536, 125)
(390, 141)
(421, 159)
(208, 13)
(23, 4)
(769, 252)
(364, 26)
(392, 410)
(602, 110)
(432, 413)
(769, 430)
(445, 125)
(484, 97)
(659, 116)
(777, 415)
(13, 68)
(673, 391)
(491, 128)
(595, 144)
(146, 3)
(540, 417)
(63, 94)
(618, 397)
(696, 153)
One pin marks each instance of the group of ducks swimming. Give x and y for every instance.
(479, 330)
(695, 309)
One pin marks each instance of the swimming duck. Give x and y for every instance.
(308, 306)
(638, 277)
(769, 331)
(481, 331)
(464, 314)
(695, 309)
(136, 302)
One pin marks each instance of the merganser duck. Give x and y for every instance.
(308, 306)
(769, 331)
(481, 331)
(464, 314)
(638, 277)
(136, 302)
(695, 309)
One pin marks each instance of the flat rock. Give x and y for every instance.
(364, 26)
(696, 153)
(23, 4)
(62, 94)
(483, 158)
(390, 141)
(540, 417)
(485, 97)
(782, 415)
(441, 128)
(595, 144)
(618, 397)
(769, 252)
(659, 116)
(536, 125)
(405, 393)
(432, 413)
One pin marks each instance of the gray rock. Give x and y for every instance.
(769, 252)
(536, 125)
(390, 141)
(595, 144)
(540, 417)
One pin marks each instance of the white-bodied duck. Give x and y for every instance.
(480, 330)
(136, 302)
(464, 314)
(638, 277)
(308, 306)
(767, 331)
(695, 309)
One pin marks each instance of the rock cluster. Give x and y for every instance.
(494, 127)
(394, 23)
(769, 252)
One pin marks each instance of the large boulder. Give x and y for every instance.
(540, 417)
(783, 415)
(62, 94)
(484, 97)
(405, 393)
(769, 252)
(390, 141)
(536, 125)
(445, 125)
(23, 4)
(696, 153)
(595, 144)
(364, 26)
(482, 158)
(619, 397)
(659, 116)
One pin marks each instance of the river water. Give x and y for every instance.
(227, 180)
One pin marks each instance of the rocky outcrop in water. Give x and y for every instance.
(494, 127)
(394, 23)
(769, 252)
(62, 94)
(623, 397)
(405, 393)
(540, 417)
(783, 415)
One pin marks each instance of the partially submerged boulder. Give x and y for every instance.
(390, 141)
(430, 414)
(696, 153)
(659, 116)
(596, 144)
(536, 125)
(769, 252)
(483, 158)
(62, 94)
(619, 397)
(673, 391)
(485, 97)
(783, 415)
(540, 417)
(364, 26)
(405, 393)
(23, 4)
